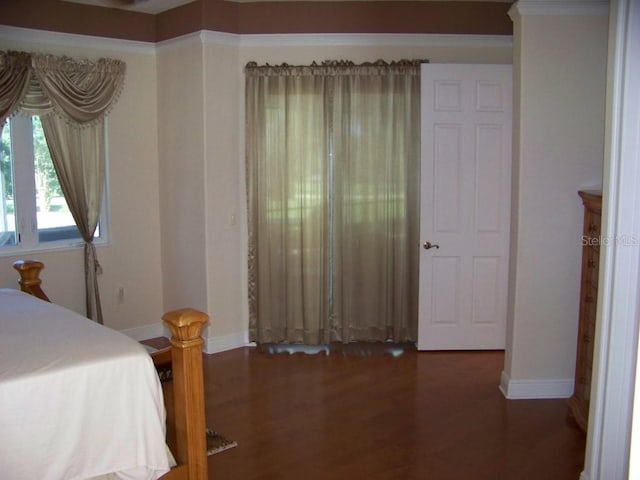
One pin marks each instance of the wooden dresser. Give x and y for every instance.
(579, 402)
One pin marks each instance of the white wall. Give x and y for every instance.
(560, 83)
(132, 259)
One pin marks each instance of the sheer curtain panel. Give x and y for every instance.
(333, 163)
(72, 97)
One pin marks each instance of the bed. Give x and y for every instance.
(79, 400)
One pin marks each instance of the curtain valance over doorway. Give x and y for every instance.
(330, 68)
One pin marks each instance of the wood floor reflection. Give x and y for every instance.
(435, 416)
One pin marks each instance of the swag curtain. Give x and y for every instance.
(72, 98)
(332, 182)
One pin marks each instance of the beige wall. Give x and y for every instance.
(182, 168)
(176, 170)
(132, 259)
(204, 259)
(223, 181)
(176, 167)
(560, 83)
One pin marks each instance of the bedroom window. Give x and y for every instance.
(33, 211)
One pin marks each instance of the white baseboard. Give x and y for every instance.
(226, 342)
(535, 388)
(211, 344)
(145, 332)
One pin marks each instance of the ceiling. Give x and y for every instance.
(158, 6)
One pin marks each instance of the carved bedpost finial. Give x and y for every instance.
(29, 271)
(186, 324)
(188, 385)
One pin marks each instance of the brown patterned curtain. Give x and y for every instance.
(72, 98)
(333, 162)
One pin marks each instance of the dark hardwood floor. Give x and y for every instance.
(435, 416)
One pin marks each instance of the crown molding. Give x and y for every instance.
(208, 37)
(220, 38)
(57, 39)
(194, 38)
(371, 39)
(559, 7)
(203, 37)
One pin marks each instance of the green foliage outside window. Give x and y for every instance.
(47, 184)
(5, 162)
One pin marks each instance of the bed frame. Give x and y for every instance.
(183, 391)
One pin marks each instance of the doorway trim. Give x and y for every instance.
(610, 430)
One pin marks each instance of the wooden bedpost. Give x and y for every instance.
(29, 271)
(188, 384)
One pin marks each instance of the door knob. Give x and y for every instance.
(428, 245)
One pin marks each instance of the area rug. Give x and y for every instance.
(217, 443)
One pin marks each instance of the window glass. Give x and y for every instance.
(34, 214)
(7, 207)
(53, 218)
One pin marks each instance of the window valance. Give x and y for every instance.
(80, 91)
(335, 68)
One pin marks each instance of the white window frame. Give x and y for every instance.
(24, 192)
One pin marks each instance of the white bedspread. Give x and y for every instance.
(77, 399)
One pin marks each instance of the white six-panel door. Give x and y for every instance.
(465, 206)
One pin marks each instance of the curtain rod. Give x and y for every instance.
(335, 67)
